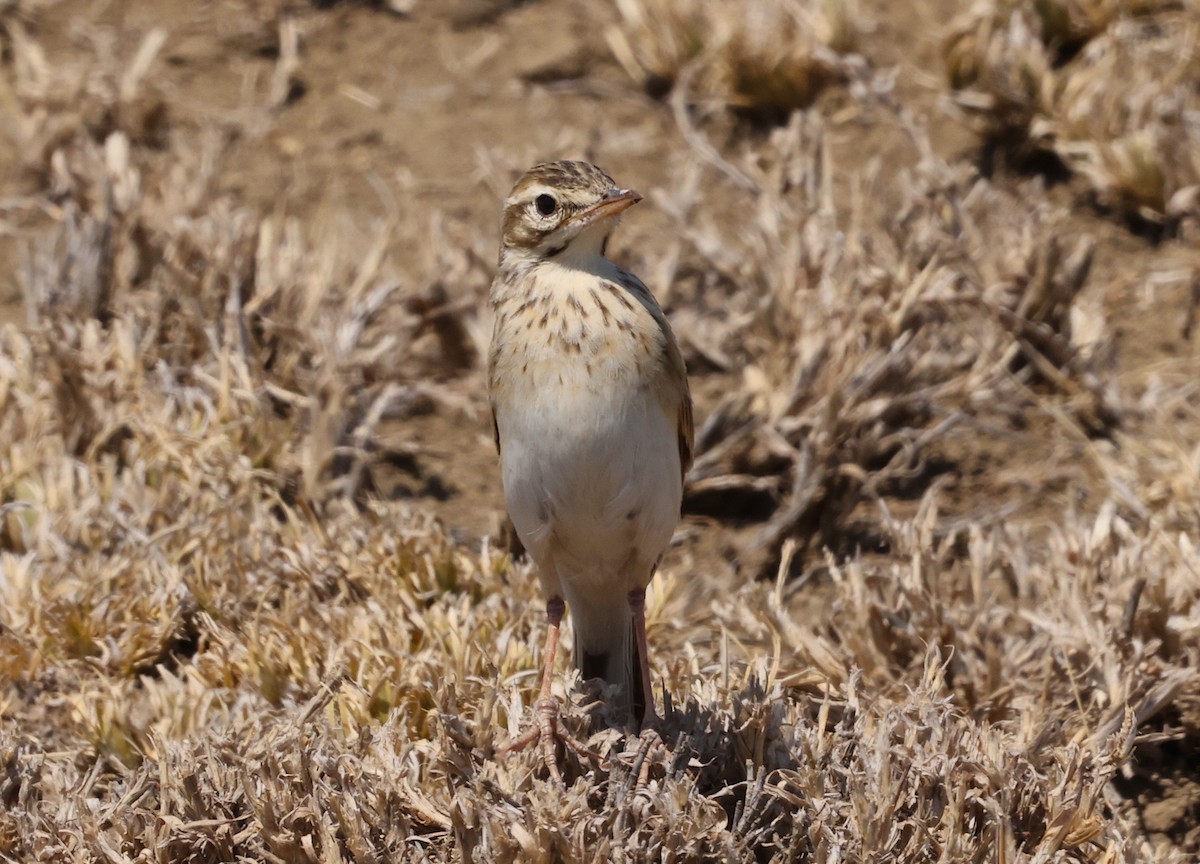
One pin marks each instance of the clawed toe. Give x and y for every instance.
(546, 731)
(638, 759)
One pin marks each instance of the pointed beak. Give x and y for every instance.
(615, 202)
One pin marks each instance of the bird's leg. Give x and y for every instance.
(545, 728)
(637, 605)
(652, 725)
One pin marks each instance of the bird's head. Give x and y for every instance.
(561, 206)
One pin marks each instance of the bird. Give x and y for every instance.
(593, 423)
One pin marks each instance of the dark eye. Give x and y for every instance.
(545, 204)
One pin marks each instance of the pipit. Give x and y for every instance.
(593, 421)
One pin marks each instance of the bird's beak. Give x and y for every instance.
(615, 202)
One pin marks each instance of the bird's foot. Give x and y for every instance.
(546, 731)
(649, 739)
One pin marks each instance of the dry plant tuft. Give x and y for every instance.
(1067, 24)
(765, 58)
(656, 39)
(776, 57)
(58, 103)
(865, 346)
(1126, 117)
(1117, 111)
(1001, 71)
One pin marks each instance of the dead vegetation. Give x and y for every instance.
(903, 330)
(763, 58)
(219, 640)
(1107, 87)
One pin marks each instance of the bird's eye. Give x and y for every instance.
(545, 204)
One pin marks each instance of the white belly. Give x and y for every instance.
(592, 480)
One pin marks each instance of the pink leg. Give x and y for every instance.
(554, 615)
(637, 605)
(545, 730)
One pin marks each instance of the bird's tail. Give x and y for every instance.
(605, 648)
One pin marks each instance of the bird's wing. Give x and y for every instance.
(491, 379)
(676, 370)
(686, 426)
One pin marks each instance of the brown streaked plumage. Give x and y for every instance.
(593, 421)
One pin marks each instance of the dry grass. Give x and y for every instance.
(1066, 24)
(764, 58)
(218, 644)
(1119, 112)
(900, 332)
(1128, 112)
